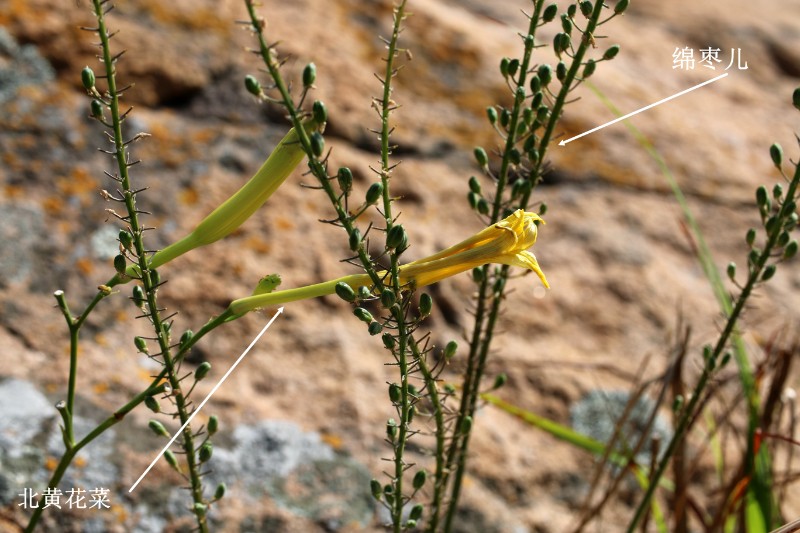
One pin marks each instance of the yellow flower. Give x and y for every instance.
(505, 242)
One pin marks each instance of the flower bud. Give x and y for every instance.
(155, 277)
(355, 240)
(612, 52)
(621, 6)
(96, 108)
(545, 73)
(776, 153)
(762, 199)
(586, 8)
(542, 208)
(474, 185)
(519, 94)
(499, 381)
(199, 509)
(513, 66)
(206, 451)
(388, 341)
(790, 250)
(172, 460)
(589, 69)
(345, 291)
(450, 349)
(213, 425)
(125, 239)
(504, 66)
(731, 270)
(363, 315)
(364, 293)
(571, 11)
(87, 78)
(138, 296)
(419, 479)
(796, 98)
(375, 328)
(480, 156)
(410, 524)
(252, 85)
(750, 237)
(374, 192)
(769, 272)
(466, 425)
(483, 206)
(391, 429)
(120, 264)
(395, 393)
(220, 492)
(491, 113)
(158, 428)
(202, 370)
(550, 13)
(152, 404)
(376, 489)
(477, 274)
(473, 199)
(141, 345)
(777, 191)
(320, 112)
(317, 143)
(416, 513)
(345, 179)
(561, 71)
(397, 238)
(536, 84)
(388, 298)
(309, 75)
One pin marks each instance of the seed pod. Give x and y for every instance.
(172, 460)
(309, 75)
(375, 328)
(450, 349)
(504, 66)
(542, 209)
(483, 206)
(790, 250)
(397, 238)
(566, 24)
(514, 156)
(520, 94)
(388, 341)
(505, 118)
(586, 8)
(425, 304)
(545, 73)
(731, 270)
(558, 44)
(202, 370)
(391, 429)
(541, 113)
(317, 143)
(477, 274)
(480, 156)
(410, 524)
(550, 13)
(473, 199)
(120, 264)
(320, 112)
(345, 179)
(220, 492)
(762, 200)
(536, 84)
(376, 489)
(415, 514)
(158, 428)
(561, 71)
(419, 479)
(138, 296)
(769, 271)
(589, 69)
(777, 191)
(345, 291)
(87, 78)
(374, 192)
(776, 153)
(355, 240)
(783, 239)
(796, 98)
(213, 425)
(513, 66)
(141, 345)
(252, 85)
(395, 393)
(388, 298)
(363, 315)
(96, 108)
(612, 52)
(750, 237)
(125, 239)
(199, 509)
(206, 451)
(155, 278)
(499, 381)
(466, 425)
(621, 6)
(491, 113)
(363, 293)
(152, 404)
(572, 10)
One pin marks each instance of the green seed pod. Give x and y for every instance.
(252, 85)
(612, 52)
(317, 143)
(363, 315)
(504, 66)
(545, 73)
(388, 298)
(374, 192)
(527, 113)
(505, 118)
(419, 479)
(397, 238)
(410, 524)
(752, 257)
(416, 513)
(345, 179)
(319, 111)
(589, 69)
(516, 189)
(138, 296)
(449, 388)
(309, 75)
(499, 381)
(345, 291)
(363, 293)
(425, 304)
(152, 404)
(513, 66)
(677, 404)
(96, 108)
(586, 8)
(391, 429)
(726, 358)
(776, 153)
(542, 209)
(566, 24)
(520, 94)
(120, 264)
(466, 425)
(777, 191)
(499, 285)
(355, 240)
(707, 352)
(480, 156)
(550, 13)
(474, 185)
(388, 341)
(790, 250)
(561, 71)
(558, 44)
(376, 489)
(483, 206)
(477, 274)
(172, 460)
(731, 270)
(750, 238)
(125, 239)
(783, 239)
(536, 84)
(219, 493)
(450, 349)
(395, 393)
(491, 114)
(621, 6)
(514, 156)
(572, 10)
(87, 78)
(158, 428)
(411, 412)
(769, 272)
(202, 370)
(155, 278)
(541, 113)
(790, 206)
(796, 98)
(141, 345)
(473, 199)
(762, 200)
(375, 328)
(205, 452)
(199, 509)
(213, 425)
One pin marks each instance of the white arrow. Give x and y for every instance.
(562, 143)
(228, 373)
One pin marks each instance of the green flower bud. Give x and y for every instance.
(415, 514)
(545, 74)
(790, 250)
(474, 185)
(473, 199)
(612, 52)
(762, 200)
(566, 24)
(158, 428)
(388, 341)
(505, 118)
(483, 206)
(753, 256)
(141, 345)
(477, 274)
(504, 66)
(125, 239)
(376, 489)
(355, 240)
(536, 84)
(87, 78)
(252, 85)
(514, 156)
(519, 94)
(796, 98)
(152, 404)
(220, 492)
(561, 71)
(172, 460)
(202, 370)
(309, 75)
(450, 349)
(726, 358)
(550, 13)
(541, 113)
(364, 293)
(363, 315)
(199, 509)
(586, 8)
(96, 108)
(621, 6)
(395, 392)
(388, 298)
(317, 143)
(419, 479)
(206, 451)
(499, 381)
(480, 156)
(410, 524)
(571, 11)
(120, 264)
(397, 238)
(558, 43)
(783, 239)
(777, 191)
(513, 66)
(345, 179)
(138, 296)
(466, 425)
(769, 272)
(542, 209)
(677, 404)
(391, 429)
(750, 237)
(375, 328)
(491, 113)
(589, 69)
(155, 278)
(776, 153)
(213, 425)
(374, 192)
(320, 112)
(345, 291)
(731, 270)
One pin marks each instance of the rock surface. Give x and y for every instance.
(614, 249)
